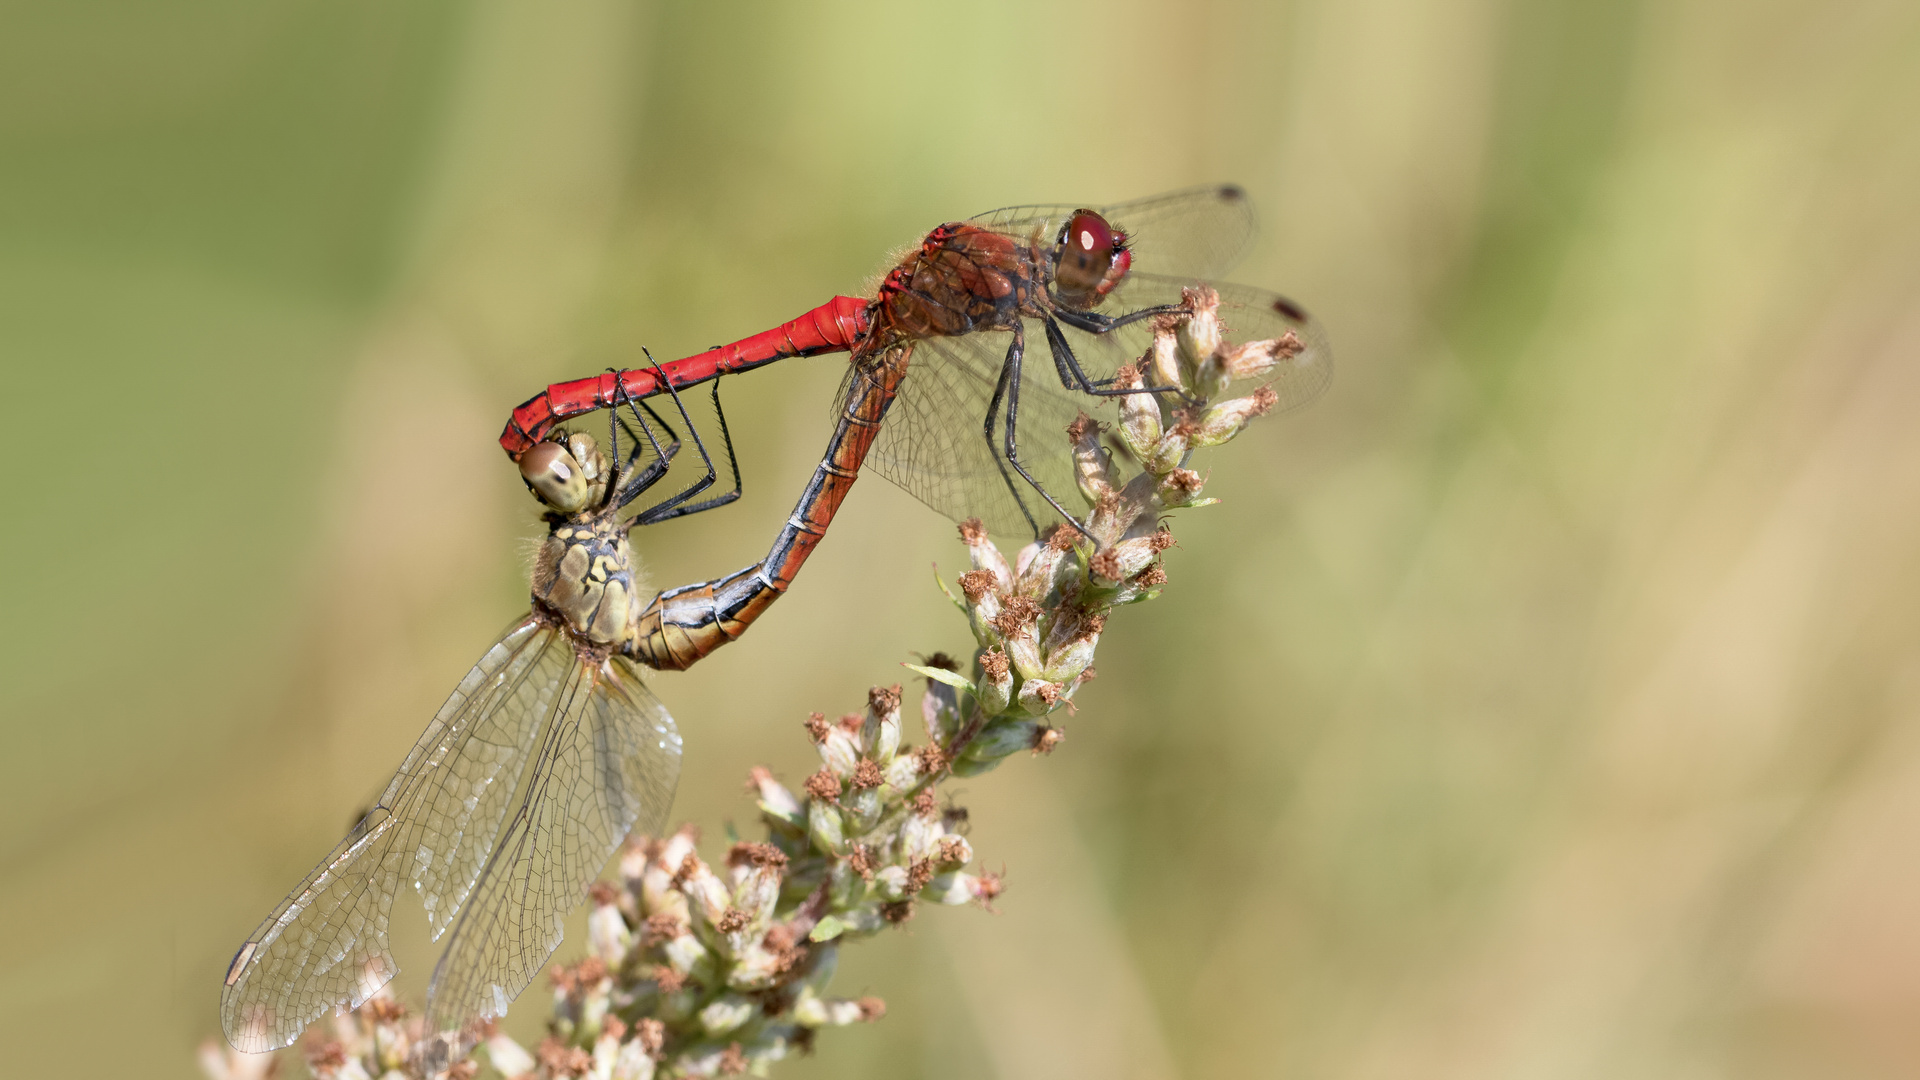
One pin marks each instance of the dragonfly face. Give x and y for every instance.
(1090, 258)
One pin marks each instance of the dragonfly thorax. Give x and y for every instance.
(584, 577)
(961, 279)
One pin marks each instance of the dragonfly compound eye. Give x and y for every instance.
(1089, 253)
(555, 477)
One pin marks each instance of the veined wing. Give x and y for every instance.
(1198, 233)
(325, 946)
(607, 764)
(932, 443)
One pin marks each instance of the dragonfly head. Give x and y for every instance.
(1090, 258)
(566, 472)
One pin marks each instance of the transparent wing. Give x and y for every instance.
(932, 442)
(933, 445)
(325, 946)
(1199, 232)
(607, 764)
(1246, 314)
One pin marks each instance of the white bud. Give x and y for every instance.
(727, 1012)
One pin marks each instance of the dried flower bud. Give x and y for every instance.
(1179, 488)
(1163, 359)
(507, 1056)
(1092, 473)
(840, 751)
(1200, 342)
(1139, 414)
(1039, 697)
(983, 554)
(1001, 738)
(1222, 422)
(891, 882)
(704, 890)
(995, 689)
(921, 837)
(1038, 570)
(954, 851)
(880, 734)
(1017, 627)
(952, 887)
(825, 830)
(904, 772)
(1257, 359)
(940, 711)
(727, 1012)
(631, 1063)
(1129, 557)
(607, 935)
(778, 805)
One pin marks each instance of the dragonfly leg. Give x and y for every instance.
(663, 510)
(1010, 367)
(639, 481)
(671, 508)
(1010, 379)
(1071, 375)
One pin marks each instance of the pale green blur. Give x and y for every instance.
(1540, 704)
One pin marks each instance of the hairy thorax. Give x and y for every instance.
(961, 279)
(584, 577)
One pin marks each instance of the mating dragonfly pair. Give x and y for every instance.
(551, 750)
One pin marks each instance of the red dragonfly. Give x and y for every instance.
(975, 432)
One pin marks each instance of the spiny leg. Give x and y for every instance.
(1010, 376)
(1072, 377)
(1012, 364)
(627, 489)
(664, 509)
(671, 510)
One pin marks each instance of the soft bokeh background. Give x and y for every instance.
(1540, 704)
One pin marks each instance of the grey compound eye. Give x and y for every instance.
(555, 477)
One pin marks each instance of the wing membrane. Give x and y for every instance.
(933, 446)
(607, 764)
(932, 443)
(325, 946)
(1200, 232)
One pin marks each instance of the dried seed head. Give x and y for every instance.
(977, 585)
(817, 726)
(661, 928)
(955, 851)
(860, 861)
(757, 855)
(824, 786)
(932, 760)
(867, 774)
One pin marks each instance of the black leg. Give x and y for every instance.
(1071, 375)
(670, 509)
(627, 483)
(1010, 377)
(628, 487)
(1011, 366)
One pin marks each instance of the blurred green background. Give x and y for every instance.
(1539, 704)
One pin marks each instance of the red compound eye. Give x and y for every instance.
(1087, 247)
